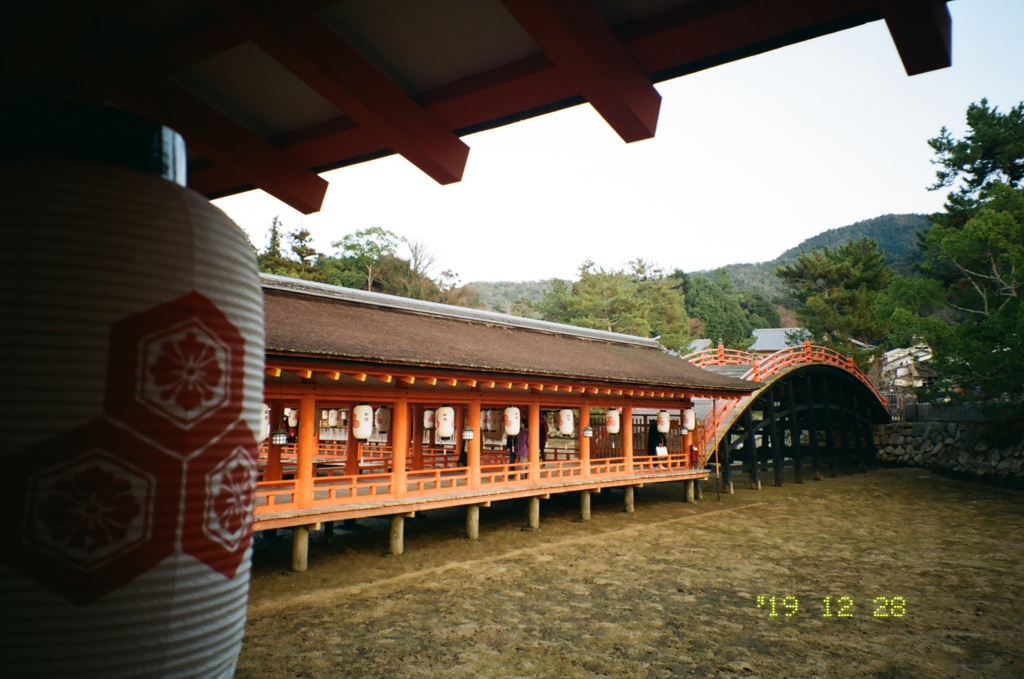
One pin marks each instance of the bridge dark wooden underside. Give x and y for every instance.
(817, 419)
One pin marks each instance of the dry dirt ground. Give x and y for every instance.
(669, 591)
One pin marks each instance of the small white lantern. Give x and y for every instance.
(689, 419)
(264, 423)
(511, 421)
(468, 434)
(490, 419)
(428, 419)
(382, 419)
(362, 421)
(611, 421)
(332, 418)
(663, 421)
(565, 422)
(293, 417)
(445, 421)
(588, 432)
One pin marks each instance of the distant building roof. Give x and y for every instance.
(770, 340)
(699, 345)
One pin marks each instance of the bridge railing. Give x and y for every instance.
(714, 423)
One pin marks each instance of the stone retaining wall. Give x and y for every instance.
(950, 447)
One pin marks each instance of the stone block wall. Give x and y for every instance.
(950, 447)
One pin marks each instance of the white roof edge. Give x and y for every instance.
(315, 289)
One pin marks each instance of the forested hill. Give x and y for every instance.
(896, 236)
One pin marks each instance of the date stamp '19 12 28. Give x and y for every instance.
(831, 606)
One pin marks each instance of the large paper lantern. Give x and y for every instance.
(565, 422)
(382, 419)
(511, 421)
(446, 421)
(132, 307)
(611, 421)
(264, 433)
(663, 421)
(689, 419)
(361, 421)
(428, 419)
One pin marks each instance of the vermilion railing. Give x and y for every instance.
(715, 423)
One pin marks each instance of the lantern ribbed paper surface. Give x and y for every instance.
(132, 307)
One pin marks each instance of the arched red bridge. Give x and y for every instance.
(814, 406)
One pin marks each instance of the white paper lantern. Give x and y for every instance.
(362, 421)
(489, 420)
(445, 421)
(511, 421)
(382, 419)
(264, 423)
(565, 422)
(428, 419)
(293, 417)
(663, 421)
(132, 307)
(689, 419)
(332, 418)
(611, 421)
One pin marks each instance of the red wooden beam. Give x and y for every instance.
(922, 31)
(582, 46)
(325, 62)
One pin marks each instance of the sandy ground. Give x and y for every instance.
(672, 590)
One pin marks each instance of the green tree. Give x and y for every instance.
(638, 300)
(366, 250)
(990, 153)
(836, 290)
(713, 300)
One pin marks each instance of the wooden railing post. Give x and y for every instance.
(584, 442)
(351, 446)
(399, 446)
(417, 438)
(474, 446)
(533, 417)
(627, 437)
(306, 449)
(807, 350)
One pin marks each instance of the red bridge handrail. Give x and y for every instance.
(761, 368)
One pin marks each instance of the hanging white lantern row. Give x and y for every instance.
(445, 421)
(611, 421)
(428, 419)
(382, 419)
(565, 422)
(362, 421)
(663, 421)
(512, 421)
(689, 419)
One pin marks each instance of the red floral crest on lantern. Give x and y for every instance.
(176, 372)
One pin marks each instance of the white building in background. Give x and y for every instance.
(907, 367)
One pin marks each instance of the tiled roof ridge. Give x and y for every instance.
(315, 289)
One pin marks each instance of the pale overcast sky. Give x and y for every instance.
(749, 159)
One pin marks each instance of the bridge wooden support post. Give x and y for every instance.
(688, 491)
(628, 497)
(725, 464)
(869, 440)
(397, 534)
(584, 505)
(773, 436)
(473, 522)
(328, 532)
(750, 449)
(846, 429)
(830, 432)
(698, 489)
(300, 548)
(794, 434)
(812, 429)
(533, 513)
